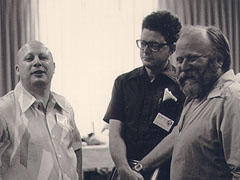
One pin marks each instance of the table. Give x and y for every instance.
(96, 157)
(97, 162)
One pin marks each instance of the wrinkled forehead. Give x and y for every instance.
(33, 48)
(194, 40)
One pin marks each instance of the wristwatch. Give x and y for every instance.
(138, 167)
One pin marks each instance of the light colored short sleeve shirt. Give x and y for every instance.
(208, 143)
(41, 140)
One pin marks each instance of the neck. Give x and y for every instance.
(40, 92)
(153, 72)
(150, 74)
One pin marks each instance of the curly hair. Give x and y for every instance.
(165, 23)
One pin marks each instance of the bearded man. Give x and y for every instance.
(205, 144)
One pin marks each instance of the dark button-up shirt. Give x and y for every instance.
(136, 101)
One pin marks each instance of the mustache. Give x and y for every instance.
(184, 75)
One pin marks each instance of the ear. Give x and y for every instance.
(220, 63)
(54, 66)
(17, 69)
(172, 48)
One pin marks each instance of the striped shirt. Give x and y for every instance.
(40, 140)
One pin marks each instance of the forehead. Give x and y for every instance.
(34, 48)
(193, 42)
(148, 35)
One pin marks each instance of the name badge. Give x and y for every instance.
(62, 120)
(163, 122)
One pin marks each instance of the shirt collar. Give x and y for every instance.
(169, 71)
(226, 79)
(59, 100)
(26, 100)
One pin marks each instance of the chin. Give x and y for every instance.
(147, 63)
(192, 89)
(150, 65)
(39, 83)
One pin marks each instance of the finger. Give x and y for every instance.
(141, 177)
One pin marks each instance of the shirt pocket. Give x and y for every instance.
(63, 122)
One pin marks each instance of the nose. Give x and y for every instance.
(146, 49)
(183, 65)
(37, 62)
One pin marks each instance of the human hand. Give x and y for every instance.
(128, 174)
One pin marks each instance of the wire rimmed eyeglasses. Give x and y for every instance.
(153, 46)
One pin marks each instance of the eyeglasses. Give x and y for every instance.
(153, 46)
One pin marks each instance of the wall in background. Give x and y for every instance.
(18, 25)
(92, 43)
(224, 14)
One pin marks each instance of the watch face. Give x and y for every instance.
(138, 167)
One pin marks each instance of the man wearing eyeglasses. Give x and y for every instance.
(206, 143)
(146, 102)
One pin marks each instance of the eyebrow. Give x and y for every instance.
(153, 41)
(189, 55)
(28, 54)
(43, 54)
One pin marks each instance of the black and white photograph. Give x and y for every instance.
(119, 90)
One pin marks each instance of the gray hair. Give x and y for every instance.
(220, 49)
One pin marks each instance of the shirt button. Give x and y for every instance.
(53, 136)
(59, 155)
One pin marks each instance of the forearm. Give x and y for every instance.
(118, 151)
(161, 153)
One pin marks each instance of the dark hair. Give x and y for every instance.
(220, 47)
(165, 23)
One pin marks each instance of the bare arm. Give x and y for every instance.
(161, 153)
(118, 152)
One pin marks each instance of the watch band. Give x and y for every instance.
(138, 167)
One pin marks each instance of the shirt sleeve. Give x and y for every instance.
(115, 108)
(4, 142)
(230, 134)
(3, 130)
(76, 142)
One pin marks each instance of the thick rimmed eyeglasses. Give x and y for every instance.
(153, 46)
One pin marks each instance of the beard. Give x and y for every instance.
(197, 84)
(192, 88)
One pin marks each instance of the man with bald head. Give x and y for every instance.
(38, 133)
(205, 145)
